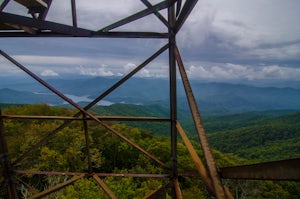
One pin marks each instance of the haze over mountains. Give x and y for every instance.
(214, 97)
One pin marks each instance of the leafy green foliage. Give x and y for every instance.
(251, 137)
(271, 138)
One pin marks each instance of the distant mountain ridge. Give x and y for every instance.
(218, 98)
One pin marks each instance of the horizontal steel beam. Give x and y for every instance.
(32, 3)
(52, 29)
(277, 170)
(107, 118)
(136, 175)
(13, 19)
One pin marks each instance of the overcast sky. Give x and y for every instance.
(221, 40)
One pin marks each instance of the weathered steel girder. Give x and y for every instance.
(276, 170)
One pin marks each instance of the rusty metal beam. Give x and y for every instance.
(74, 15)
(111, 34)
(178, 7)
(42, 16)
(27, 186)
(128, 76)
(6, 172)
(56, 187)
(160, 193)
(3, 4)
(43, 25)
(211, 164)
(104, 118)
(157, 14)
(82, 110)
(173, 96)
(185, 12)
(204, 175)
(276, 170)
(95, 101)
(87, 143)
(177, 189)
(52, 29)
(32, 3)
(138, 15)
(135, 175)
(104, 187)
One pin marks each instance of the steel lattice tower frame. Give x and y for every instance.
(12, 25)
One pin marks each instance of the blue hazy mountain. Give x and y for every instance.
(211, 97)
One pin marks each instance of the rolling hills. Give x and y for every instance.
(212, 98)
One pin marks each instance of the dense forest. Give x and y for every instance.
(236, 139)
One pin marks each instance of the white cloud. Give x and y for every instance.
(256, 31)
(95, 71)
(243, 27)
(49, 73)
(277, 72)
(235, 72)
(49, 60)
(291, 51)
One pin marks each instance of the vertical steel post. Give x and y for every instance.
(208, 155)
(74, 15)
(87, 142)
(7, 171)
(173, 94)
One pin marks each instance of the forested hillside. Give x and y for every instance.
(66, 152)
(272, 138)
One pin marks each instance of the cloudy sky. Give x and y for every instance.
(221, 40)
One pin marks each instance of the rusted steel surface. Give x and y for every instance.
(157, 14)
(42, 16)
(104, 187)
(104, 94)
(30, 172)
(51, 33)
(87, 143)
(173, 96)
(211, 164)
(204, 175)
(32, 3)
(159, 193)
(185, 12)
(82, 110)
(178, 7)
(56, 187)
(105, 118)
(3, 4)
(277, 170)
(74, 14)
(177, 189)
(138, 15)
(28, 187)
(43, 25)
(135, 175)
(52, 29)
(128, 76)
(6, 172)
